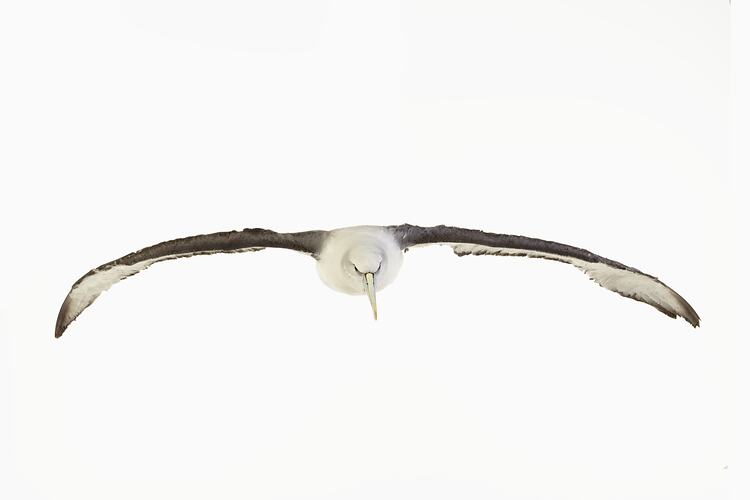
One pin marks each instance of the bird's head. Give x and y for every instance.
(365, 259)
(360, 260)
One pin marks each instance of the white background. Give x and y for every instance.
(600, 124)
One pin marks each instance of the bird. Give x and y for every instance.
(362, 260)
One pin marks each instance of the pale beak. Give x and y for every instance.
(370, 289)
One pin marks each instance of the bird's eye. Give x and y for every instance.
(357, 269)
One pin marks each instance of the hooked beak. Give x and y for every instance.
(370, 290)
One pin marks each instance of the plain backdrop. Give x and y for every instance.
(602, 124)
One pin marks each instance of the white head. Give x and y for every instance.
(360, 260)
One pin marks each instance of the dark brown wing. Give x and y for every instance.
(627, 281)
(92, 284)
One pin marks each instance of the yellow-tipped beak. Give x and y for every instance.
(370, 289)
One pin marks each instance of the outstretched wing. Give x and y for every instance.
(87, 289)
(627, 281)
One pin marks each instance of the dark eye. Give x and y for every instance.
(356, 269)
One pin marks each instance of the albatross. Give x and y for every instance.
(362, 260)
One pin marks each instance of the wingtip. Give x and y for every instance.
(59, 328)
(62, 318)
(691, 316)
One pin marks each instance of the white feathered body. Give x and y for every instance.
(350, 252)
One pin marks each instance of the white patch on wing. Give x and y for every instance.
(627, 282)
(82, 295)
(85, 292)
